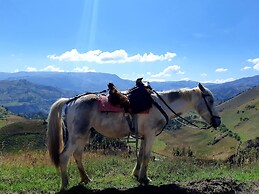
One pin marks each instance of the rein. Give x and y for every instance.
(179, 116)
(164, 114)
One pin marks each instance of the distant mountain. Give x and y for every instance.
(230, 89)
(90, 81)
(21, 96)
(173, 85)
(32, 92)
(79, 82)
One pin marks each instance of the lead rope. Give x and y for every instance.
(164, 114)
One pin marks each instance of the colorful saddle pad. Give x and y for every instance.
(105, 106)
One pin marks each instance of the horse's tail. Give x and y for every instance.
(54, 133)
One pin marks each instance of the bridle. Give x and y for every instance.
(213, 117)
(189, 124)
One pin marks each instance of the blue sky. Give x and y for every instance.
(163, 40)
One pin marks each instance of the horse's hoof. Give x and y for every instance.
(134, 175)
(144, 181)
(62, 190)
(85, 181)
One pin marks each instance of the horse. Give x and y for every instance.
(82, 116)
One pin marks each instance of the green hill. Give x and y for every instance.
(240, 119)
(18, 133)
(26, 98)
(6, 117)
(240, 114)
(23, 135)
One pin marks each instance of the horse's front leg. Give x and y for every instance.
(139, 160)
(148, 142)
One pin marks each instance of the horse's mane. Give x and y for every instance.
(185, 93)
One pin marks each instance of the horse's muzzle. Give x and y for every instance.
(215, 121)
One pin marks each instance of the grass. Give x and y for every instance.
(159, 144)
(243, 120)
(32, 172)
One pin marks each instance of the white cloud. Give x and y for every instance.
(167, 72)
(204, 74)
(245, 68)
(255, 62)
(31, 69)
(155, 80)
(180, 72)
(168, 56)
(52, 68)
(48, 68)
(132, 76)
(256, 67)
(83, 69)
(221, 70)
(220, 81)
(186, 79)
(117, 56)
(57, 69)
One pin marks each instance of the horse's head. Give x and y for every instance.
(206, 108)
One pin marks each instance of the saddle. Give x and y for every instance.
(137, 100)
(117, 98)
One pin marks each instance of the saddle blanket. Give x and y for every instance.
(105, 106)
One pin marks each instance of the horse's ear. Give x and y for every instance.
(203, 90)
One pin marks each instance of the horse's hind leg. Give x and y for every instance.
(64, 158)
(78, 158)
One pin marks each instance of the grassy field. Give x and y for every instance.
(241, 114)
(31, 172)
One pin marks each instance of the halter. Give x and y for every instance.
(208, 107)
(179, 116)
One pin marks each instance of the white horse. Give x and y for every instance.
(82, 115)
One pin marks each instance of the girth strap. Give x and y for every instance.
(133, 125)
(130, 123)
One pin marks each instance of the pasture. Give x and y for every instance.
(30, 171)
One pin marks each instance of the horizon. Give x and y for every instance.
(126, 78)
(209, 42)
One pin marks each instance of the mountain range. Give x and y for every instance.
(24, 97)
(33, 92)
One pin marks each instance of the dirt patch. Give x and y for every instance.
(216, 186)
(206, 186)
